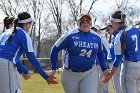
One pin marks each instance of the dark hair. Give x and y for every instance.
(7, 21)
(21, 16)
(119, 15)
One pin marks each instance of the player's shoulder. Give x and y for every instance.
(128, 28)
(134, 28)
(70, 32)
(73, 31)
(21, 33)
(104, 39)
(95, 34)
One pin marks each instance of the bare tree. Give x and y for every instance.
(34, 7)
(55, 6)
(37, 8)
(77, 8)
(9, 7)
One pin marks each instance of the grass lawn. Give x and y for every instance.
(36, 84)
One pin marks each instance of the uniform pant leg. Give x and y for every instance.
(138, 86)
(18, 81)
(132, 76)
(70, 81)
(89, 82)
(7, 77)
(123, 78)
(101, 88)
(117, 81)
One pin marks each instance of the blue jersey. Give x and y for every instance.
(81, 48)
(132, 51)
(111, 56)
(20, 43)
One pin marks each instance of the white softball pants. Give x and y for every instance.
(101, 88)
(131, 77)
(116, 79)
(80, 82)
(9, 77)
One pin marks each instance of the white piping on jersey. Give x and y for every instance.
(14, 61)
(7, 32)
(117, 43)
(29, 42)
(64, 36)
(94, 33)
(105, 43)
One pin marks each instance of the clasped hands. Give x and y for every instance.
(107, 76)
(52, 79)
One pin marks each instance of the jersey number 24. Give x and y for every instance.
(85, 53)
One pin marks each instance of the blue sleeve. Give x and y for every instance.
(54, 58)
(105, 53)
(97, 61)
(102, 62)
(36, 64)
(60, 44)
(117, 61)
(21, 68)
(101, 58)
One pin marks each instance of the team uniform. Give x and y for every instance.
(79, 73)
(10, 54)
(103, 89)
(131, 65)
(111, 57)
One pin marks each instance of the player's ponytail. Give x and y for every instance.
(123, 16)
(7, 21)
(15, 30)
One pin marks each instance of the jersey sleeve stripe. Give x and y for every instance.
(64, 36)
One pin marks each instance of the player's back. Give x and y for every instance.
(132, 51)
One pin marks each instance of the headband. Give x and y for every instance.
(26, 20)
(115, 20)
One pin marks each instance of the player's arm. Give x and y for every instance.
(27, 47)
(60, 44)
(103, 63)
(101, 58)
(36, 64)
(21, 68)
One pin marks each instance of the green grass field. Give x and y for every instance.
(36, 84)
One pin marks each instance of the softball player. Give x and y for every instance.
(101, 89)
(123, 47)
(8, 23)
(111, 57)
(79, 74)
(11, 48)
(8, 28)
